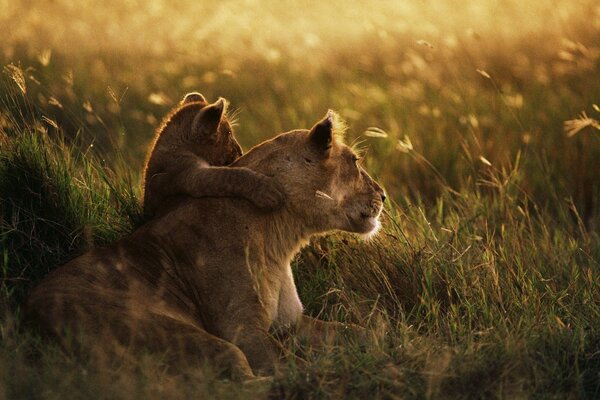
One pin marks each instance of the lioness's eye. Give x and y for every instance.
(355, 159)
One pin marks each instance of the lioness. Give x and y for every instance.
(212, 276)
(189, 155)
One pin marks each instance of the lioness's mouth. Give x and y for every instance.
(365, 215)
(373, 212)
(366, 222)
(370, 226)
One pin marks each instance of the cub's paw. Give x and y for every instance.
(267, 194)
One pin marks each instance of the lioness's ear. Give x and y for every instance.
(321, 135)
(207, 120)
(193, 97)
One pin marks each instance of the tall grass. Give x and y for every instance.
(57, 201)
(484, 281)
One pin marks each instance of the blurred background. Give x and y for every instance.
(438, 92)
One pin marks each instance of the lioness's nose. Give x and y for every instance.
(380, 190)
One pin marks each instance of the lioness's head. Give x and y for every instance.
(205, 129)
(326, 187)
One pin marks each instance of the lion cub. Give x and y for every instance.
(189, 156)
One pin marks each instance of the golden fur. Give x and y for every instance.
(190, 154)
(211, 277)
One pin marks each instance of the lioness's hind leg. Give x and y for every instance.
(190, 346)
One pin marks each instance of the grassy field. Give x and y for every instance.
(481, 123)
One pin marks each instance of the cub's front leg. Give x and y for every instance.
(260, 189)
(197, 179)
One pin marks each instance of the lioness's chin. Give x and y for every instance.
(366, 227)
(375, 226)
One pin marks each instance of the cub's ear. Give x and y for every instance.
(193, 97)
(321, 135)
(207, 120)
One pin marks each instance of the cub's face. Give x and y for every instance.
(210, 132)
(220, 148)
(325, 185)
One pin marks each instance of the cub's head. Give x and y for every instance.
(204, 129)
(325, 185)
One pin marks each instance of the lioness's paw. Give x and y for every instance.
(259, 382)
(268, 195)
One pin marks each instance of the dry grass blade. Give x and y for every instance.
(16, 74)
(375, 132)
(574, 126)
(485, 161)
(44, 57)
(87, 106)
(50, 122)
(483, 73)
(160, 99)
(323, 195)
(54, 102)
(425, 43)
(404, 145)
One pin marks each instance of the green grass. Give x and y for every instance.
(485, 279)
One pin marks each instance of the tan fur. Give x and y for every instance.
(211, 277)
(189, 155)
